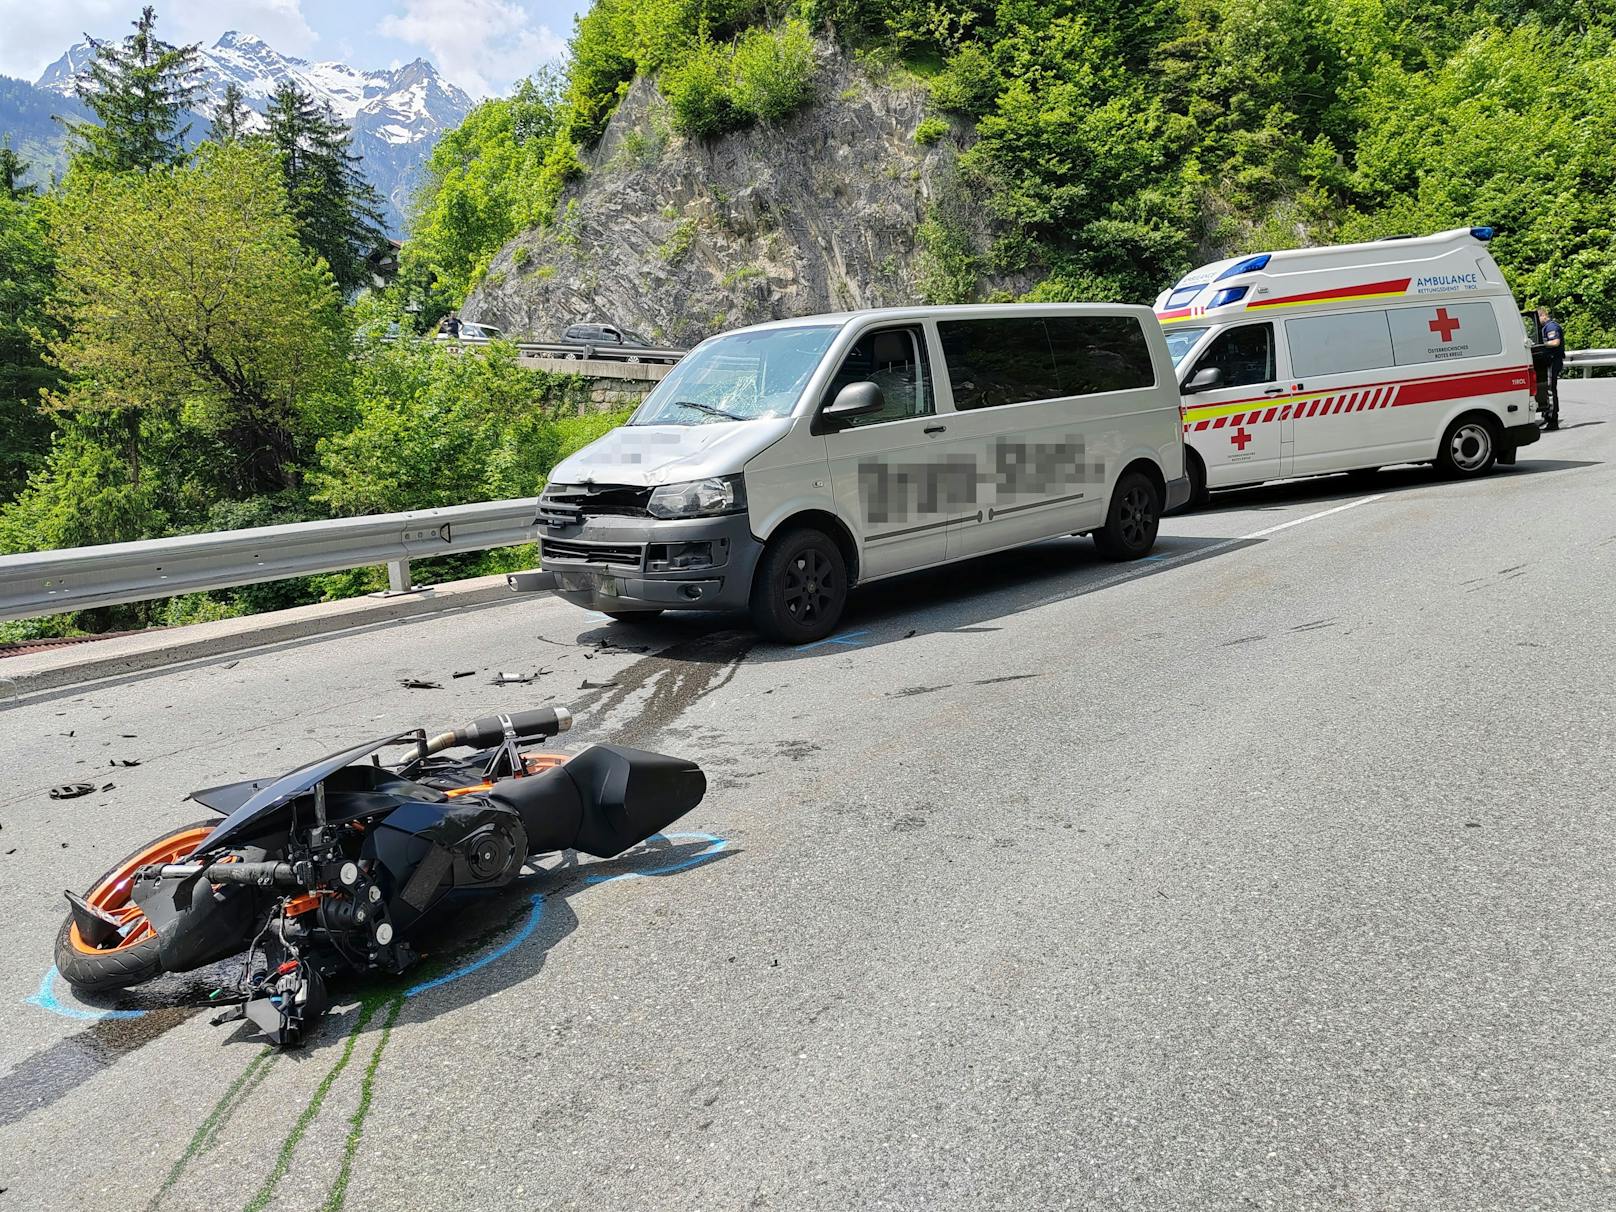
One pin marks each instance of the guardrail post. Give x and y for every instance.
(398, 578)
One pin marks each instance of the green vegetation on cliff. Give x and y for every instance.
(1117, 145)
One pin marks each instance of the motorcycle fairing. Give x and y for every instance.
(251, 805)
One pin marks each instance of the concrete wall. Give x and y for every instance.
(611, 384)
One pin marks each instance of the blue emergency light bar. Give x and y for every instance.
(1482, 233)
(1249, 265)
(1229, 294)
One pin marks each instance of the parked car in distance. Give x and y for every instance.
(474, 332)
(592, 335)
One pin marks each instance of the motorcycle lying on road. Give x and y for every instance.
(330, 867)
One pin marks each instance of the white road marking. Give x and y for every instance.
(1155, 564)
(1312, 517)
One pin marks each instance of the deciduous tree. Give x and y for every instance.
(184, 292)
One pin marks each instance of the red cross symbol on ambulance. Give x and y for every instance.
(1240, 437)
(1444, 324)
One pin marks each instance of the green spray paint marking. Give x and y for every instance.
(283, 1161)
(207, 1131)
(356, 1124)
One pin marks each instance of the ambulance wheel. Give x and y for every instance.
(1469, 448)
(1196, 471)
(1131, 523)
(800, 589)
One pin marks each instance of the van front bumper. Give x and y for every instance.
(625, 564)
(1178, 492)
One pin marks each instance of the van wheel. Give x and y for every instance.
(1469, 448)
(632, 616)
(1131, 523)
(800, 589)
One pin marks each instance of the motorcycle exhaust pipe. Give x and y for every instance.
(489, 730)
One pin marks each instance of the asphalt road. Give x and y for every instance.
(1272, 873)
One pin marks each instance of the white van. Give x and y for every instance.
(1350, 358)
(780, 465)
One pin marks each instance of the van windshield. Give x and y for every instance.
(1181, 340)
(739, 377)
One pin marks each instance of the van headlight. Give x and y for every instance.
(698, 498)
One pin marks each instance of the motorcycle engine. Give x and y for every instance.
(423, 850)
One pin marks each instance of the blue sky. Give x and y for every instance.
(482, 45)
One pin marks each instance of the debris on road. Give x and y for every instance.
(109, 786)
(71, 791)
(463, 673)
(513, 679)
(586, 684)
(419, 684)
(124, 762)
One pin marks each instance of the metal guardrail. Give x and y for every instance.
(1585, 360)
(77, 578)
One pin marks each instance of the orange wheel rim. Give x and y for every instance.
(111, 895)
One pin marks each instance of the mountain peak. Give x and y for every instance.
(395, 115)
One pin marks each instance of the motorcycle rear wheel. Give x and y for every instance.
(134, 958)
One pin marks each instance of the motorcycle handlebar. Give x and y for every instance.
(265, 875)
(489, 730)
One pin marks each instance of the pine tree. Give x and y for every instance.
(140, 89)
(230, 116)
(338, 211)
(13, 168)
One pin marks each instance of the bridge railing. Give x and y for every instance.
(579, 351)
(77, 578)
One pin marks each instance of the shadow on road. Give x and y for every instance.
(1282, 494)
(964, 598)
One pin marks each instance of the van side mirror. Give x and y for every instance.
(855, 400)
(1205, 379)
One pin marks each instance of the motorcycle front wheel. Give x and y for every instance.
(131, 957)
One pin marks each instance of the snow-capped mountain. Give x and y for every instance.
(395, 116)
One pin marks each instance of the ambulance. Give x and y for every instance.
(1350, 358)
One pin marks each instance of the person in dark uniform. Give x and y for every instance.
(1552, 337)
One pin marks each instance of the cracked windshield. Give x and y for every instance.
(741, 377)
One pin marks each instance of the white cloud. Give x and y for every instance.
(37, 33)
(481, 45)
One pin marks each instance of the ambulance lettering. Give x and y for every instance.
(1434, 284)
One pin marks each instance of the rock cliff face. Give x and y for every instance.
(678, 238)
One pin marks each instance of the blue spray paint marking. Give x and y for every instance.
(849, 638)
(528, 927)
(716, 844)
(46, 998)
(500, 952)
